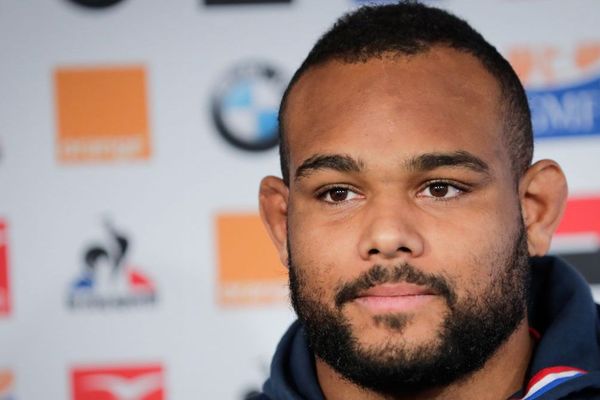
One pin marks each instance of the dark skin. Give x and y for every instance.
(402, 159)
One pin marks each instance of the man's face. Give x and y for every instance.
(403, 217)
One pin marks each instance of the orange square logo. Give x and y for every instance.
(7, 384)
(101, 114)
(249, 268)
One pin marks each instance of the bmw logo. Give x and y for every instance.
(245, 106)
(96, 3)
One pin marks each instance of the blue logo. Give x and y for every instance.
(566, 110)
(245, 106)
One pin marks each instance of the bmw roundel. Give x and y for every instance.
(96, 3)
(245, 106)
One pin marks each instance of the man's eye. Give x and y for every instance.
(338, 195)
(441, 190)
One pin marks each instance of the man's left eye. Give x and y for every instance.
(441, 190)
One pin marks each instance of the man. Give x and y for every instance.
(413, 224)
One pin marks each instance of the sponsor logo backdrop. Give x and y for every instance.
(134, 136)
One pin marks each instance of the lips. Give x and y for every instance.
(397, 297)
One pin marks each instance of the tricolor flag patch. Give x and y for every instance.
(548, 379)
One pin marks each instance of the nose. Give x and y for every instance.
(390, 232)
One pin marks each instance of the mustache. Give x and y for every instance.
(378, 275)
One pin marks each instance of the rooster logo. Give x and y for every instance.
(107, 278)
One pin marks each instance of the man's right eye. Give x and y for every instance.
(337, 195)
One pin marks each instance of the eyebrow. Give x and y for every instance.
(335, 162)
(421, 163)
(430, 161)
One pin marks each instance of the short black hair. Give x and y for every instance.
(410, 28)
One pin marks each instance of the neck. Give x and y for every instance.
(501, 376)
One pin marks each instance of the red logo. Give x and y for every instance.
(579, 229)
(4, 286)
(118, 383)
(543, 65)
(562, 88)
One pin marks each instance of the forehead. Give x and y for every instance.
(395, 107)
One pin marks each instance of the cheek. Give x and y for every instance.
(324, 253)
(473, 250)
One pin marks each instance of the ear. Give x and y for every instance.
(543, 196)
(273, 200)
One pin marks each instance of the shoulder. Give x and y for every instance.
(257, 396)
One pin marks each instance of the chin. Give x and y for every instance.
(402, 330)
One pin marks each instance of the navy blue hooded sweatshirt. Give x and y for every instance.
(565, 363)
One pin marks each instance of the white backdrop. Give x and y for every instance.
(127, 92)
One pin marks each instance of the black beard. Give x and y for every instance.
(472, 330)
